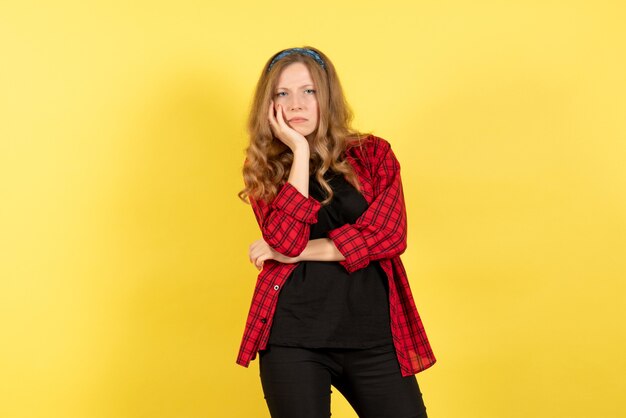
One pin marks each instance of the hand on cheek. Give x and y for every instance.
(280, 109)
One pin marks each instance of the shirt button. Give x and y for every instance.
(276, 287)
(263, 320)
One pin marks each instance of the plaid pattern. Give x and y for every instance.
(380, 233)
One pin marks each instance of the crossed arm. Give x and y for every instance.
(380, 232)
(320, 249)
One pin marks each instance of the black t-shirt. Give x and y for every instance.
(321, 305)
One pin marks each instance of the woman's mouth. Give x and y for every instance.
(297, 120)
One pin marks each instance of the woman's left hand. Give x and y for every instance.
(260, 251)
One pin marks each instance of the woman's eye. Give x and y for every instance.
(280, 93)
(310, 91)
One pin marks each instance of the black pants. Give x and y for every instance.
(296, 382)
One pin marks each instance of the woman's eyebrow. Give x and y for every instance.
(285, 88)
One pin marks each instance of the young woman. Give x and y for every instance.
(332, 304)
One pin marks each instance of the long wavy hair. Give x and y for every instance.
(268, 160)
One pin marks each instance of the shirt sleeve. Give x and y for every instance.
(285, 222)
(381, 231)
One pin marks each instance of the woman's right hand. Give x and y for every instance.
(282, 130)
(260, 250)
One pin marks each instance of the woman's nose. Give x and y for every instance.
(295, 103)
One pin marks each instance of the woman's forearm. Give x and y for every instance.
(321, 249)
(299, 174)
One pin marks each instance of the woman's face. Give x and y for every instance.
(296, 94)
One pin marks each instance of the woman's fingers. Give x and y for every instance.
(278, 122)
(257, 262)
(251, 252)
(270, 113)
(256, 254)
(281, 129)
(270, 118)
(274, 126)
(280, 118)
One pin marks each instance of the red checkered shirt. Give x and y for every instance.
(380, 233)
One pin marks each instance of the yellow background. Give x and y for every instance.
(124, 274)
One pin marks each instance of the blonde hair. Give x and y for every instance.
(268, 160)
